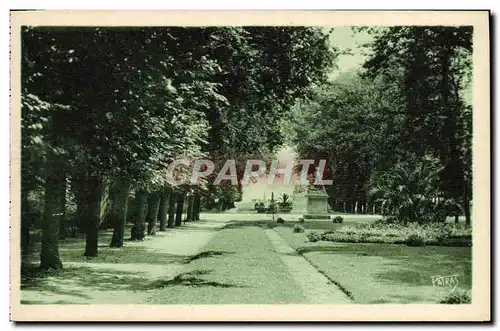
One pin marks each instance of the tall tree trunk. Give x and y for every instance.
(189, 211)
(196, 207)
(141, 208)
(53, 212)
(172, 203)
(63, 224)
(451, 156)
(466, 203)
(163, 212)
(27, 180)
(180, 206)
(119, 208)
(93, 212)
(25, 220)
(152, 215)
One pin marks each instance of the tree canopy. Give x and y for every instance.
(105, 106)
(405, 105)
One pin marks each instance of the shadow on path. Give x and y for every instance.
(189, 279)
(206, 254)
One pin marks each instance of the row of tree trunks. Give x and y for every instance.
(93, 193)
(152, 215)
(196, 207)
(189, 210)
(119, 209)
(172, 209)
(141, 209)
(179, 210)
(356, 207)
(163, 210)
(166, 207)
(363, 207)
(53, 212)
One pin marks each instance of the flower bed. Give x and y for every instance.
(410, 234)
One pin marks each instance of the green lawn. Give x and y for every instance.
(384, 273)
(238, 266)
(84, 277)
(72, 249)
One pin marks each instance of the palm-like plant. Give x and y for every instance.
(285, 203)
(410, 191)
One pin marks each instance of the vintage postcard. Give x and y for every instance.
(250, 166)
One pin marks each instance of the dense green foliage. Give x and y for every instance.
(338, 219)
(397, 133)
(297, 228)
(313, 236)
(105, 110)
(456, 298)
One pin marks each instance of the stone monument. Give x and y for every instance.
(311, 202)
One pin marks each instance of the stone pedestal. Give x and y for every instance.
(317, 205)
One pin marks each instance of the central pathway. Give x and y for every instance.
(227, 258)
(248, 263)
(315, 286)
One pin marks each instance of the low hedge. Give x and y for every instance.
(316, 217)
(411, 234)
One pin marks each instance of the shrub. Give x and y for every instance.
(298, 228)
(285, 209)
(313, 236)
(460, 297)
(386, 221)
(261, 208)
(415, 240)
(338, 219)
(280, 220)
(285, 205)
(328, 236)
(273, 208)
(301, 220)
(407, 191)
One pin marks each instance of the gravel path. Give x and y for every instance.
(316, 287)
(116, 283)
(243, 263)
